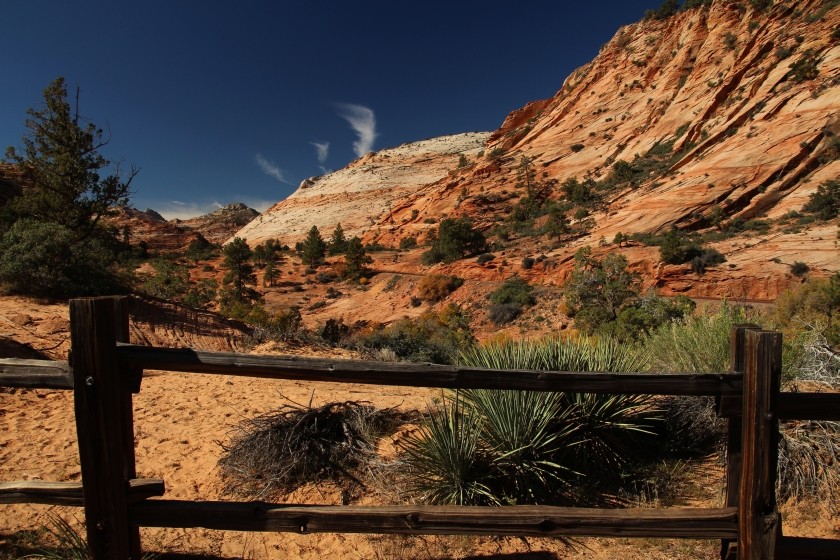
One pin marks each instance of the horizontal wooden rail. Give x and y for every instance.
(35, 374)
(792, 406)
(70, 493)
(801, 548)
(424, 375)
(540, 521)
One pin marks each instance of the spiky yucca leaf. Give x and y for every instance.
(446, 462)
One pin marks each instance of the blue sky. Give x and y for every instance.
(224, 102)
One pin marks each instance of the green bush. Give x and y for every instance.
(805, 68)
(455, 239)
(46, 259)
(514, 290)
(504, 313)
(676, 248)
(825, 202)
(432, 337)
(484, 258)
(596, 289)
(409, 242)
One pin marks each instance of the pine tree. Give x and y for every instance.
(313, 248)
(356, 258)
(61, 156)
(240, 272)
(51, 240)
(338, 243)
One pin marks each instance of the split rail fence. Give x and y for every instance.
(104, 371)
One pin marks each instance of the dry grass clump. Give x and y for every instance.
(281, 451)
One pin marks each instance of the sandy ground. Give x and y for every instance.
(180, 422)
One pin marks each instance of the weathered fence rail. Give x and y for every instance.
(105, 371)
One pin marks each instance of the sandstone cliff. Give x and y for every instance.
(722, 113)
(363, 193)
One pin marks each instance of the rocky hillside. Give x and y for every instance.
(161, 235)
(365, 192)
(219, 225)
(708, 119)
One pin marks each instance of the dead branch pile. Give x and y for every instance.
(278, 452)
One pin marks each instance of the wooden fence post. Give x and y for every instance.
(733, 434)
(758, 515)
(104, 424)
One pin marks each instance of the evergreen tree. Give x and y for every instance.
(338, 243)
(57, 215)
(61, 156)
(240, 272)
(597, 289)
(269, 273)
(313, 248)
(356, 258)
(455, 239)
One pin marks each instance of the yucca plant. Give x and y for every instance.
(604, 428)
(535, 446)
(447, 465)
(526, 434)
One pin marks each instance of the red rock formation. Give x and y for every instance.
(716, 91)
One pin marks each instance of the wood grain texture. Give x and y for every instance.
(70, 493)
(35, 374)
(424, 375)
(440, 520)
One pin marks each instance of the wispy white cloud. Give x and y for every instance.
(270, 169)
(363, 122)
(323, 151)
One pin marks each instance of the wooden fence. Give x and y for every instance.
(104, 371)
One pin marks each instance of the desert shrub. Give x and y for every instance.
(484, 258)
(437, 287)
(409, 242)
(706, 258)
(433, 337)
(677, 248)
(278, 452)
(455, 239)
(46, 259)
(645, 314)
(528, 263)
(514, 290)
(200, 249)
(577, 147)
(169, 281)
(201, 294)
(596, 289)
(580, 194)
(281, 325)
(325, 277)
(503, 313)
(805, 68)
(825, 202)
(811, 307)
(799, 268)
(694, 344)
(809, 462)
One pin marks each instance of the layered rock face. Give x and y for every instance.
(721, 113)
(365, 192)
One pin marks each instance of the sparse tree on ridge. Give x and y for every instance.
(313, 248)
(356, 258)
(240, 272)
(338, 242)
